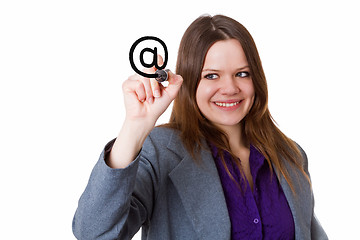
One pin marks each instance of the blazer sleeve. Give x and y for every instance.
(110, 207)
(317, 231)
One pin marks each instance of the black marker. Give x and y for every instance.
(162, 75)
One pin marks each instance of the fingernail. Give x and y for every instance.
(156, 93)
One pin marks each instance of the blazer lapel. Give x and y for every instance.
(299, 203)
(201, 193)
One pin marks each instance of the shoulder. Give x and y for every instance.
(304, 158)
(161, 152)
(162, 140)
(166, 137)
(163, 137)
(164, 134)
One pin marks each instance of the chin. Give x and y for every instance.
(228, 124)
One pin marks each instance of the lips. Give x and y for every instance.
(223, 104)
(227, 103)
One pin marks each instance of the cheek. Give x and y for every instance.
(204, 93)
(198, 95)
(250, 90)
(252, 96)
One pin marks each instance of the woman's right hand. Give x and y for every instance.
(145, 99)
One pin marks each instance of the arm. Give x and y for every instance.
(317, 232)
(116, 202)
(104, 206)
(109, 208)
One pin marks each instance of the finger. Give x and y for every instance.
(134, 77)
(134, 88)
(148, 89)
(152, 87)
(175, 82)
(155, 86)
(160, 61)
(137, 85)
(140, 92)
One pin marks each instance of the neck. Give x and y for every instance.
(235, 136)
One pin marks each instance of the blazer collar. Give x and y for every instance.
(201, 193)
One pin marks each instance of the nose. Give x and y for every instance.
(229, 86)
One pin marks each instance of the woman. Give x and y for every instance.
(220, 169)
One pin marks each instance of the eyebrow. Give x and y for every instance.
(215, 70)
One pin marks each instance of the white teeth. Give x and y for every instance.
(226, 104)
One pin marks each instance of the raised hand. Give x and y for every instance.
(145, 100)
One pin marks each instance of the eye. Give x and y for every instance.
(211, 76)
(243, 74)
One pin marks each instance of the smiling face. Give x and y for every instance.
(225, 93)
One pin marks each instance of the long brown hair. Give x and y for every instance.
(258, 127)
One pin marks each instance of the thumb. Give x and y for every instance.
(175, 82)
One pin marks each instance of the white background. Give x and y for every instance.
(62, 64)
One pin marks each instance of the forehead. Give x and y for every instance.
(225, 54)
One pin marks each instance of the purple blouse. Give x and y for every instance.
(260, 214)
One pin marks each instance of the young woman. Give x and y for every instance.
(220, 169)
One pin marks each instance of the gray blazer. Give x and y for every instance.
(171, 197)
